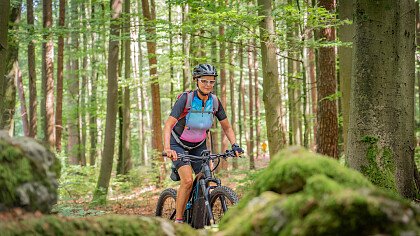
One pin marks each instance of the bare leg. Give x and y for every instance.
(185, 172)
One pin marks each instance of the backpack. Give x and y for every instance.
(190, 97)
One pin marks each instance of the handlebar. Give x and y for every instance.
(206, 156)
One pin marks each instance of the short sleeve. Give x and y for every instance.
(179, 106)
(221, 114)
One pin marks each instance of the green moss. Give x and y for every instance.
(302, 193)
(105, 225)
(380, 169)
(15, 169)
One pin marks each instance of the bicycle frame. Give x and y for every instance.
(202, 181)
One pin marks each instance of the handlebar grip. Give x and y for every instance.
(164, 154)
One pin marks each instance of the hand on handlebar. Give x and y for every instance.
(238, 150)
(170, 153)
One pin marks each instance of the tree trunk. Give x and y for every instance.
(31, 72)
(48, 51)
(150, 17)
(257, 114)
(93, 129)
(271, 88)
(186, 51)
(250, 142)
(214, 129)
(126, 97)
(12, 68)
(222, 78)
(73, 143)
(345, 34)
(4, 21)
(241, 117)
(232, 95)
(327, 132)
(60, 67)
(381, 126)
(112, 104)
(23, 111)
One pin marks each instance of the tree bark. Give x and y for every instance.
(345, 34)
(12, 68)
(257, 115)
(271, 89)
(112, 104)
(150, 17)
(222, 78)
(60, 67)
(48, 51)
(126, 95)
(31, 72)
(4, 21)
(73, 143)
(250, 143)
(232, 94)
(186, 50)
(381, 126)
(327, 132)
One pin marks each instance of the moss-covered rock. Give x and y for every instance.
(28, 174)
(302, 193)
(104, 225)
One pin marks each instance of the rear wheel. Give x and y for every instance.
(166, 204)
(221, 199)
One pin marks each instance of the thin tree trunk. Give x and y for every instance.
(4, 21)
(250, 142)
(23, 112)
(150, 16)
(186, 50)
(73, 143)
(240, 103)
(257, 115)
(31, 72)
(126, 97)
(345, 34)
(48, 50)
(222, 78)
(272, 96)
(60, 68)
(112, 104)
(92, 103)
(327, 133)
(215, 130)
(232, 95)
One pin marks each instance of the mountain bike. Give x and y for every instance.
(207, 203)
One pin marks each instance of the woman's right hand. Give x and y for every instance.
(171, 154)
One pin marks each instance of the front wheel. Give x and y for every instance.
(221, 199)
(166, 204)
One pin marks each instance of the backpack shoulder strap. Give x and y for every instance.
(187, 107)
(215, 103)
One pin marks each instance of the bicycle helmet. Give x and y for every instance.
(204, 69)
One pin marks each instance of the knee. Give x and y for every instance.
(187, 183)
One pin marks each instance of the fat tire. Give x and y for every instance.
(165, 195)
(227, 192)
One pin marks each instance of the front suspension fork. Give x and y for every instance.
(207, 200)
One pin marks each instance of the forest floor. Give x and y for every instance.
(140, 200)
(143, 200)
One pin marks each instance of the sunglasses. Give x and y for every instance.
(207, 82)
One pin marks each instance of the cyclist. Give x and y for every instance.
(188, 132)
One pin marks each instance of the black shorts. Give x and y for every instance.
(196, 165)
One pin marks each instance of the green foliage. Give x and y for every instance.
(77, 182)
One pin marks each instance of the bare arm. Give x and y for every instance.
(169, 124)
(227, 128)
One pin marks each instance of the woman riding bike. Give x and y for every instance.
(187, 126)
